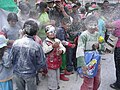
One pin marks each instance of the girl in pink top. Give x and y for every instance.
(116, 32)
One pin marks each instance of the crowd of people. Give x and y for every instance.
(51, 38)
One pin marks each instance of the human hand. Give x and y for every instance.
(73, 45)
(61, 7)
(44, 72)
(85, 68)
(59, 52)
(55, 45)
(95, 46)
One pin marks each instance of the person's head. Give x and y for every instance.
(66, 22)
(43, 7)
(24, 7)
(78, 5)
(50, 3)
(50, 31)
(91, 23)
(30, 27)
(58, 3)
(105, 4)
(3, 44)
(68, 8)
(82, 10)
(93, 4)
(74, 7)
(33, 14)
(87, 5)
(12, 18)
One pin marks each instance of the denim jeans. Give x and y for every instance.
(20, 83)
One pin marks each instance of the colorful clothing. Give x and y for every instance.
(6, 85)
(117, 52)
(43, 19)
(53, 60)
(116, 32)
(101, 26)
(91, 84)
(66, 59)
(85, 43)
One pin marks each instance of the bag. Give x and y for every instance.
(111, 42)
(92, 59)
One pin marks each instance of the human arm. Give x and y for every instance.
(80, 51)
(40, 59)
(48, 46)
(7, 62)
(62, 49)
(61, 7)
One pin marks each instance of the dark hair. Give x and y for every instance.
(30, 27)
(93, 3)
(106, 1)
(42, 6)
(87, 5)
(66, 20)
(23, 6)
(82, 10)
(78, 4)
(50, 1)
(12, 16)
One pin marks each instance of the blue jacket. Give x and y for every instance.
(27, 57)
(61, 34)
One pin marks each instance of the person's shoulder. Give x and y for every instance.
(5, 27)
(84, 32)
(17, 42)
(37, 45)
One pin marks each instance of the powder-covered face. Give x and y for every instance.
(51, 34)
(92, 26)
(12, 23)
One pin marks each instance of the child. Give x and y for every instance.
(63, 36)
(27, 58)
(53, 49)
(5, 70)
(86, 41)
(12, 30)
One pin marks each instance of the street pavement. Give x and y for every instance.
(107, 77)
